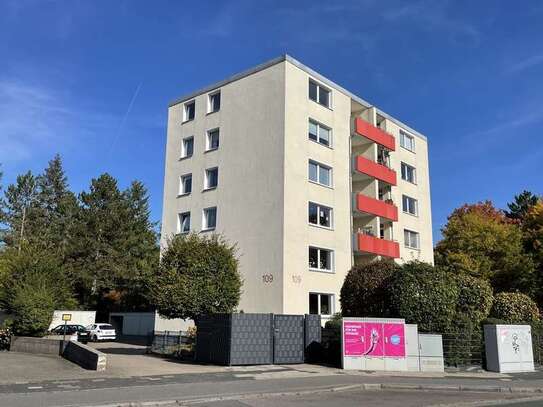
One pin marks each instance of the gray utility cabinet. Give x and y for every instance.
(509, 348)
(256, 339)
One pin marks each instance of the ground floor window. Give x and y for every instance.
(322, 304)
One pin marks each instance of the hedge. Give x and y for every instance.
(514, 308)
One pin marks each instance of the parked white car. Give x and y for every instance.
(101, 332)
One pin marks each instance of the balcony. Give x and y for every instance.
(376, 207)
(375, 134)
(381, 247)
(375, 170)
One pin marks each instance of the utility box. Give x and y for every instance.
(509, 348)
(431, 353)
(412, 347)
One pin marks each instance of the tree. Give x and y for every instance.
(198, 275)
(35, 286)
(364, 291)
(482, 242)
(115, 248)
(522, 203)
(19, 210)
(424, 295)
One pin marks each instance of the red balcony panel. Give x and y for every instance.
(381, 247)
(375, 170)
(376, 207)
(375, 134)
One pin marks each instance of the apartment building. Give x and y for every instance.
(307, 178)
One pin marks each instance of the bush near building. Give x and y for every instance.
(197, 275)
(474, 298)
(514, 308)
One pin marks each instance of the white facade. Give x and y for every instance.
(282, 182)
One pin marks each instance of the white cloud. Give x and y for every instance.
(525, 64)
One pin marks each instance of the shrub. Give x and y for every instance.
(364, 291)
(474, 298)
(514, 308)
(424, 295)
(334, 322)
(5, 338)
(198, 275)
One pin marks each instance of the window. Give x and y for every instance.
(185, 185)
(211, 178)
(319, 133)
(187, 147)
(214, 102)
(320, 174)
(210, 218)
(407, 141)
(410, 205)
(320, 259)
(321, 304)
(411, 239)
(189, 110)
(319, 94)
(184, 222)
(409, 173)
(212, 142)
(320, 215)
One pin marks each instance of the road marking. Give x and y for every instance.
(154, 378)
(98, 380)
(168, 377)
(35, 387)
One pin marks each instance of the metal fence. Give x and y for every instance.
(178, 344)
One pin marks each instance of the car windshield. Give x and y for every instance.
(106, 326)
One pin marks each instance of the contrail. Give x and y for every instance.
(123, 121)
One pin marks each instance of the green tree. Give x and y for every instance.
(518, 209)
(35, 286)
(20, 210)
(364, 291)
(198, 275)
(115, 248)
(424, 295)
(481, 241)
(474, 298)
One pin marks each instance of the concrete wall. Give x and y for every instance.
(249, 196)
(299, 281)
(85, 356)
(145, 323)
(43, 346)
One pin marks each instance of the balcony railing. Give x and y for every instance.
(375, 134)
(373, 245)
(385, 209)
(375, 170)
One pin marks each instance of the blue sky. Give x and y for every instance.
(91, 80)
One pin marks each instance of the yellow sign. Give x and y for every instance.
(66, 317)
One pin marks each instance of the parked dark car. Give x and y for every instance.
(73, 332)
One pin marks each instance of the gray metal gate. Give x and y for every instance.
(288, 344)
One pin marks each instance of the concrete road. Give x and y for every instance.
(239, 390)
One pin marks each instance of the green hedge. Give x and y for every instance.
(514, 308)
(474, 298)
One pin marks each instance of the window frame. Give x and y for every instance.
(206, 178)
(319, 87)
(414, 172)
(186, 118)
(319, 125)
(404, 135)
(331, 259)
(208, 139)
(318, 205)
(408, 232)
(210, 97)
(182, 191)
(331, 297)
(319, 166)
(180, 222)
(184, 149)
(205, 226)
(416, 204)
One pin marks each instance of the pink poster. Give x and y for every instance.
(394, 340)
(354, 340)
(374, 339)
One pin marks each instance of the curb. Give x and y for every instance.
(363, 386)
